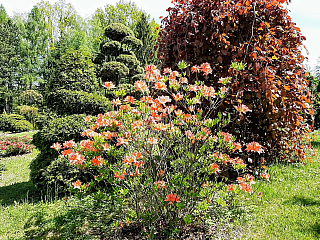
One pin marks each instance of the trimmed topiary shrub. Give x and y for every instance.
(57, 130)
(21, 126)
(117, 31)
(114, 71)
(77, 102)
(132, 42)
(110, 48)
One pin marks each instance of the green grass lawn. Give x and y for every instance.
(289, 207)
(290, 204)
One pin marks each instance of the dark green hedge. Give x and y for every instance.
(66, 102)
(56, 130)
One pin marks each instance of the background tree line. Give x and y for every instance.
(52, 48)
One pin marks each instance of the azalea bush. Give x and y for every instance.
(11, 146)
(163, 154)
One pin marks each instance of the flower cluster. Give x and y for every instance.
(12, 146)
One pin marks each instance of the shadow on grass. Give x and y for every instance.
(315, 144)
(302, 201)
(75, 223)
(18, 192)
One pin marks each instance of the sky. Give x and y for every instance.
(305, 13)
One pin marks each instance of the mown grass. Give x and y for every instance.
(289, 207)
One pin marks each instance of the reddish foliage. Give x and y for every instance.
(261, 34)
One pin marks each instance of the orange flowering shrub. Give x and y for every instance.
(170, 152)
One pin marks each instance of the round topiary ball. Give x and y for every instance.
(113, 71)
(132, 41)
(117, 31)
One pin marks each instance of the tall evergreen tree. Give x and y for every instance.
(9, 60)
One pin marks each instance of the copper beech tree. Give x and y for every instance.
(260, 34)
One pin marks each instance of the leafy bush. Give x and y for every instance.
(132, 41)
(14, 123)
(77, 102)
(114, 71)
(59, 175)
(261, 35)
(117, 31)
(44, 118)
(30, 113)
(171, 155)
(129, 60)
(110, 48)
(11, 146)
(21, 126)
(58, 129)
(31, 97)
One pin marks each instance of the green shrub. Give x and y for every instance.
(59, 175)
(56, 130)
(77, 102)
(14, 123)
(110, 48)
(129, 60)
(31, 97)
(132, 41)
(21, 126)
(30, 113)
(114, 71)
(117, 31)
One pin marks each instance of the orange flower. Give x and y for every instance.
(121, 176)
(152, 140)
(246, 187)
(205, 68)
(237, 146)
(129, 99)
(172, 198)
(66, 152)
(146, 99)
(116, 101)
(77, 184)
(109, 85)
(167, 70)
(56, 146)
(183, 80)
(254, 147)
(68, 144)
(141, 85)
(230, 187)
(195, 68)
(164, 99)
(242, 109)
(193, 88)
(265, 176)
(227, 137)
(214, 167)
(161, 184)
(123, 141)
(160, 86)
(150, 68)
(87, 119)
